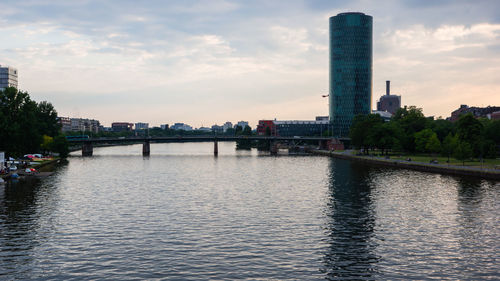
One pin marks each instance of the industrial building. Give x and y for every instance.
(350, 90)
(388, 102)
(8, 77)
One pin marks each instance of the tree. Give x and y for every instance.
(363, 131)
(47, 143)
(422, 138)
(433, 144)
(238, 130)
(450, 143)
(47, 118)
(469, 130)
(442, 128)
(244, 143)
(463, 151)
(411, 120)
(60, 145)
(23, 123)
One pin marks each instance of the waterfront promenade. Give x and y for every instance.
(487, 173)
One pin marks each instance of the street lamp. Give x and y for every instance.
(331, 126)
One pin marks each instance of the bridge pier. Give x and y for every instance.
(216, 147)
(273, 148)
(323, 144)
(146, 148)
(87, 148)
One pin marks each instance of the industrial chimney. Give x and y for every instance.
(387, 87)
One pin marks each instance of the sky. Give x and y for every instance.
(207, 62)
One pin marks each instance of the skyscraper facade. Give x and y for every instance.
(350, 69)
(8, 77)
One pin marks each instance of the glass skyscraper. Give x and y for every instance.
(350, 69)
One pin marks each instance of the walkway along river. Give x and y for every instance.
(182, 213)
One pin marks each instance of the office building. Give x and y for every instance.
(388, 102)
(291, 128)
(350, 90)
(8, 77)
(121, 126)
(141, 126)
(164, 127)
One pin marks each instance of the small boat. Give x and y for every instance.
(14, 176)
(13, 168)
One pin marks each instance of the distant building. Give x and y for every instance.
(227, 125)
(388, 102)
(121, 126)
(79, 124)
(65, 123)
(217, 129)
(386, 116)
(164, 127)
(350, 91)
(477, 112)
(322, 118)
(141, 126)
(8, 77)
(263, 125)
(495, 115)
(205, 129)
(181, 126)
(242, 124)
(290, 128)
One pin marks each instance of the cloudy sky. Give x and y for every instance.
(206, 62)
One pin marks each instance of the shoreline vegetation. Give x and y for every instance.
(490, 170)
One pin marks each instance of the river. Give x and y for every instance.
(184, 214)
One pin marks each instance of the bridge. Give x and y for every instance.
(88, 144)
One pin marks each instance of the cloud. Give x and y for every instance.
(213, 60)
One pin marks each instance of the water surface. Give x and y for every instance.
(183, 214)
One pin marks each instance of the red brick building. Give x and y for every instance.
(263, 125)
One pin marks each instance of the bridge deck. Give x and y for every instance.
(201, 139)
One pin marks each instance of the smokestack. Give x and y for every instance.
(387, 87)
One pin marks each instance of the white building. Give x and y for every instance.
(80, 125)
(227, 125)
(181, 126)
(141, 126)
(8, 77)
(242, 124)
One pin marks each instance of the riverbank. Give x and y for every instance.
(492, 174)
(43, 170)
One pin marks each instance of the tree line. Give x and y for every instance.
(410, 131)
(27, 126)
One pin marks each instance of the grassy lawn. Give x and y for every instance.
(487, 163)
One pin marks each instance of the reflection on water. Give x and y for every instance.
(351, 223)
(183, 214)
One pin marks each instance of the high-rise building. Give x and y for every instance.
(8, 77)
(350, 69)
